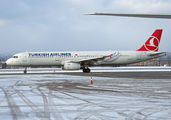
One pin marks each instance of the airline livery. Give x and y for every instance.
(84, 59)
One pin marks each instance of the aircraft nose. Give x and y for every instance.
(9, 62)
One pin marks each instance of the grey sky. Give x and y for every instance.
(60, 25)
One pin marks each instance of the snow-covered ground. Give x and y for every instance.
(63, 97)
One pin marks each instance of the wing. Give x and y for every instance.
(86, 61)
(163, 16)
(89, 59)
(92, 59)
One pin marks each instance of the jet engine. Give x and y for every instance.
(71, 66)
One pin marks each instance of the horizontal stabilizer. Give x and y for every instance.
(158, 53)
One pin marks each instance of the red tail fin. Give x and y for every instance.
(152, 44)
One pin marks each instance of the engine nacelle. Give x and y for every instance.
(71, 66)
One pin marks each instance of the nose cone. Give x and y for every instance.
(9, 62)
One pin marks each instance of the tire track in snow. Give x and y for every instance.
(145, 113)
(55, 112)
(90, 113)
(46, 104)
(14, 109)
(30, 104)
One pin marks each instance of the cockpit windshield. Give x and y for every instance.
(15, 56)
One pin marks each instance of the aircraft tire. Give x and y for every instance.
(86, 70)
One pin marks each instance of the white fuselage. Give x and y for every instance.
(86, 58)
(82, 60)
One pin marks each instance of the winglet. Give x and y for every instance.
(152, 44)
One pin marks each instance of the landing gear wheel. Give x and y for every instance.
(86, 70)
(25, 71)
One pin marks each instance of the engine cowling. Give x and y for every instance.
(71, 66)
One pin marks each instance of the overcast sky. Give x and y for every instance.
(60, 25)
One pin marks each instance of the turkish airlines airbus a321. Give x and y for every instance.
(82, 60)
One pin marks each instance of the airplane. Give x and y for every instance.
(74, 60)
(161, 16)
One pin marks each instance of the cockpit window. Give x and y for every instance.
(15, 56)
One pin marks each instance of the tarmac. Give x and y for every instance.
(136, 75)
(56, 95)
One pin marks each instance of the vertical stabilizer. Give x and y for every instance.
(152, 44)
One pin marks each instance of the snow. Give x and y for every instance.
(63, 97)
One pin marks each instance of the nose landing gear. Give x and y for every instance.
(25, 70)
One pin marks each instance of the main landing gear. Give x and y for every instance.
(86, 70)
(25, 70)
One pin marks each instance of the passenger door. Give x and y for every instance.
(57, 58)
(25, 57)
